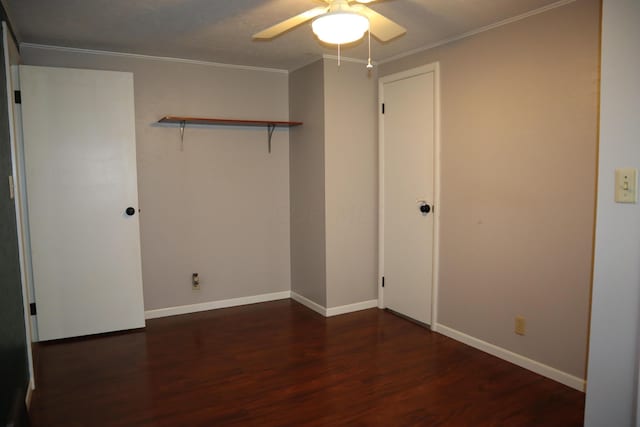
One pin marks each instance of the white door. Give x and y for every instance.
(80, 163)
(407, 168)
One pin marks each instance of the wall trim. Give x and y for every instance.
(331, 57)
(308, 303)
(4, 16)
(234, 302)
(212, 305)
(27, 398)
(305, 64)
(24, 250)
(333, 311)
(478, 30)
(350, 308)
(515, 358)
(151, 57)
(346, 59)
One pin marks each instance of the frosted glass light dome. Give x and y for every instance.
(340, 27)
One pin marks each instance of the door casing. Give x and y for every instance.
(17, 169)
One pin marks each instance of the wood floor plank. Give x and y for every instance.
(280, 364)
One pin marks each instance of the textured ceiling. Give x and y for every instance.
(220, 31)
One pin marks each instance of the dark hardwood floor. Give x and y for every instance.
(280, 364)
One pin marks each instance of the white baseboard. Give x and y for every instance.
(350, 308)
(333, 311)
(212, 305)
(308, 303)
(29, 394)
(517, 359)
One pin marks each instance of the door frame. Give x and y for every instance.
(424, 69)
(19, 201)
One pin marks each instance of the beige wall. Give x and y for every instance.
(220, 207)
(351, 174)
(307, 171)
(334, 183)
(519, 135)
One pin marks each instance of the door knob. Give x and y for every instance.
(130, 211)
(425, 208)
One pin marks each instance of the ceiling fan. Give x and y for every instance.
(339, 22)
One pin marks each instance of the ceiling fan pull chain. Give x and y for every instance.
(182, 125)
(369, 66)
(338, 54)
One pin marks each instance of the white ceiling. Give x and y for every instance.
(220, 30)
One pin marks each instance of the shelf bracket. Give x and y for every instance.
(270, 128)
(183, 123)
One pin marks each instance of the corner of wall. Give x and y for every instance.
(351, 183)
(307, 183)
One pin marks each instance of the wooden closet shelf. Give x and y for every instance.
(271, 125)
(226, 122)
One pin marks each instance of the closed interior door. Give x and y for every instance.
(407, 167)
(80, 164)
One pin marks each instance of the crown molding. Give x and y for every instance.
(479, 30)
(304, 64)
(150, 57)
(345, 59)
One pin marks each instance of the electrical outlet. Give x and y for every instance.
(520, 326)
(195, 281)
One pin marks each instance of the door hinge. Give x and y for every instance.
(383, 108)
(12, 188)
(17, 97)
(383, 281)
(32, 309)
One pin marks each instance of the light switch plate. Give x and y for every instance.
(626, 185)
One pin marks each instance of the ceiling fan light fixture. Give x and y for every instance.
(340, 27)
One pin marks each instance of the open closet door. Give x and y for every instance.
(81, 184)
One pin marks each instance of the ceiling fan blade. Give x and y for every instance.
(383, 28)
(290, 23)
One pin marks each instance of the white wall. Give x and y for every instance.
(615, 311)
(220, 207)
